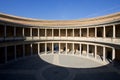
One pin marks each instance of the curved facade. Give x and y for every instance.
(94, 38)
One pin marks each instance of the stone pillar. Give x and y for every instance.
(113, 53)
(31, 48)
(30, 32)
(87, 50)
(59, 47)
(95, 51)
(73, 49)
(59, 33)
(73, 32)
(66, 32)
(38, 32)
(15, 52)
(114, 35)
(52, 33)
(104, 53)
(95, 32)
(38, 48)
(45, 33)
(87, 32)
(66, 48)
(80, 32)
(52, 48)
(5, 54)
(45, 48)
(80, 49)
(23, 32)
(104, 32)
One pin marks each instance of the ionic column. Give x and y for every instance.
(104, 32)
(15, 52)
(87, 50)
(113, 53)
(45, 48)
(23, 32)
(73, 32)
(104, 53)
(95, 32)
(87, 32)
(114, 35)
(80, 32)
(95, 51)
(5, 54)
(31, 49)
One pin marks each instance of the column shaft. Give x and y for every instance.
(104, 53)
(114, 35)
(87, 50)
(38, 48)
(87, 32)
(14, 31)
(95, 32)
(95, 51)
(52, 48)
(23, 32)
(45, 48)
(80, 32)
(104, 32)
(113, 53)
(31, 49)
(80, 48)
(66, 48)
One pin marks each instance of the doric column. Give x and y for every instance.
(66, 48)
(95, 51)
(113, 53)
(104, 53)
(114, 35)
(95, 32)
(38, 48)
(15, 52)
(14, 31)
(104, 32)
(5, 54)
(80, 48)
(87, 50)
(87, 32)
(52, 48)
(31, 49)
(45, 48)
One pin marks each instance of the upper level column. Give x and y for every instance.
(73, 32)
(104, 32)
(114, 35)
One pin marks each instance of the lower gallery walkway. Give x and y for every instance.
(46, 67)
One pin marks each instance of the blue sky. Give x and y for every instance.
(59, 9)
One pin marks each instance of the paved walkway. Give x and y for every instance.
(35, 68)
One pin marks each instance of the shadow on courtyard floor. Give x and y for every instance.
(34, 68)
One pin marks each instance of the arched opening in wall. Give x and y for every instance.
(56, 32)
(109, 54)
(62, 48)
(63, 32)
(77, 32)
(100, 32)
(69, 48)
(91, 32)
(2, 31)
(99, 52)
(56, 47)
(9, 31)
(49, 48)
(69, 32)
(27, 32)
(76, 49)
(84, 32)
(2, 55)
(27, 49)
(84, 49)
(91, 51)
(109, 31)
(10, 53)
(19, 32)
(42, 32)
(19, 51)
(42, 48)
(49, 32)
(117, 30)
(34, 48)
